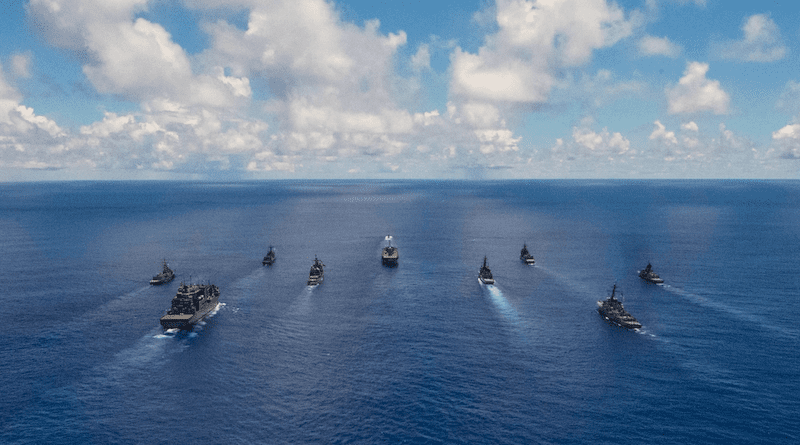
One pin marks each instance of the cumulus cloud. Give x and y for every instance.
(761, 42)
(695, 93)
(690, 126)
(661, 133)
(422, 59)
(787, 140)
(789, 100)
(658, 46)
(519, 63)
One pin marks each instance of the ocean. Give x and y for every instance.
(420, 353)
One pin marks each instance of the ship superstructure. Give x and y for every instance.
(612, 311)
(190, 305)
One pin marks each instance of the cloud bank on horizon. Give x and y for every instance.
(320, 89)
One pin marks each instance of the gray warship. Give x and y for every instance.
(485, 275)
(190, 305)
(612, 311)
(270, 258)
(316, 275)
(389, 255)
(648, 275)
(526, 256)
(165, 276)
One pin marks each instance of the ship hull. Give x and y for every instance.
(652, 280)
(157, 281)
(315, 281)
(486, 280)
(616, 321)
(529, 261)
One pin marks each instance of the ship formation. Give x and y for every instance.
(269, 259)
(389, 254)
(190, 305)
(526, 256)
(485, 275)
(165, 276)
(194, 301)
(317, 274)
(648, 275)
(612, 311)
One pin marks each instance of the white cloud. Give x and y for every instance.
(534, 40)
(602, 143)
(661, 133)
(690, 126)
(658, 46)
(761, 42)
(788, 132)
(422, 59)
(695, 93)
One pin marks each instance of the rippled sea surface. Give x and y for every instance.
(420, 353)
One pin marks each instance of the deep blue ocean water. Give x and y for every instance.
(421, 353)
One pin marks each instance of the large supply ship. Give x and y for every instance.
(612, 311)
(190, 305)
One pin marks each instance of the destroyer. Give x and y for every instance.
(270, 258)
(165, 276)
(389, 255)
(485, 275)
(648, 275)
(190, 305)
(526, 256)
(612, 311)
(316, 275)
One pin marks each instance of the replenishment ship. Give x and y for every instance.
(648, 275)
(316, 275)
(485, 275)
(526, 256)
(612, 311)
(190, 305)
(165, 276)
(389, 255)
(270, 258)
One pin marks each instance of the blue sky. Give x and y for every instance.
(507, 89)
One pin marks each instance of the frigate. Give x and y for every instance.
(612, 311)
(648, 275)
(165, 276)
(316, 275)
(389, 255)
(270, 258)
(526, 256)
(485, 275)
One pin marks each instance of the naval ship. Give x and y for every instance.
(165, 276)
(190, 305)
(648, 275)
(389, 255)
(526, 256)
(316, 275)
(485, 275)
(612, 311)
(270, 258)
